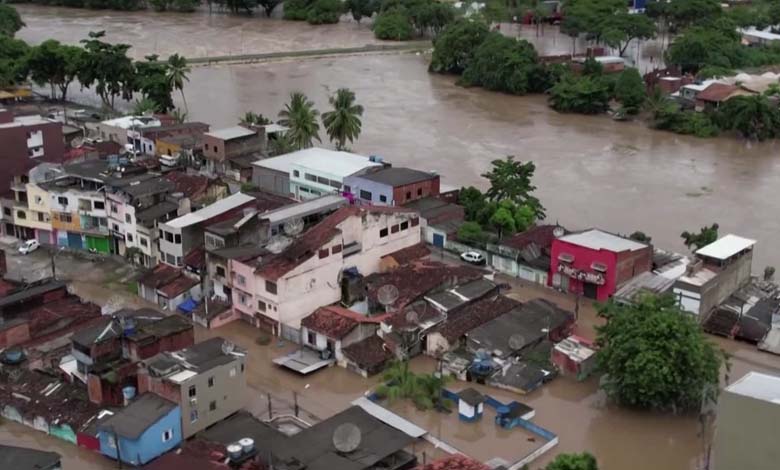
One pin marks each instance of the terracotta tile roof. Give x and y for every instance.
(160, 275)
(368, 353)
(542, 235)
(418, 278)
(716, 92)
(474, 315)
(178, 286)
(7, 286)
(454, 462)
(196, 258)
(336, 322)
(409, 254)
(275, 266)
(192, 186)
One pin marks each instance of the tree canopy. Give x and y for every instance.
(754, 117)
(702, 238)
(505, 64)
(302, 118)
(511, 180)
(630, 90)
(454, 48)
(583, 461)
(10, 21)
(13, 60)
(343, 123)
(656, 356)
(108, 68)
(587, 94)
(55, 64)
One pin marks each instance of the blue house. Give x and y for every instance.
(147, 428)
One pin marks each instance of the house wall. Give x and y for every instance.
(411, 192)
(357, 184)
(745, 433)
(220, 150)
(149, 445)
(271, 180)
(583, 259)
(632, 263)
(13, 335)
(172, 342)
(700, 300)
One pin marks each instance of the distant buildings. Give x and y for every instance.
(221, 146)
(392, 186)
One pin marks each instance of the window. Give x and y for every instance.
(304, 189)
(296, 173)
(65, 217)
(170, 259)
(116, 227)
(7, 210)
(242, 298)
(41, 218)
(99, 205)
(168, 237)
(336, 249)
(404, 225)
(128, 219)
(232, 372)
(419, 191)
(129, 238)
(114, 209)
(62, 200)
(220, 271)
(347, 189)
(324, 253)
(366, 195)
(311, 338)
(211, 381)
(322, 180)
(311, 178)
(38, 200)
(382, 198)
(383, 233)
(21, 215)
(112, 441)
(212, 405)
(408, 194)
(394, 229)
(192, 392)
(270, 287)
(177, 239)
(415, 221)
(178, 261)
(261, 305)
(144, 242)
(241, 279)
(193, 416)
(334, 184)
(242, 367)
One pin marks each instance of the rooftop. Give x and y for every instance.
(230, 133)
(646, 282)
(190, 185)
(302, 209)
(20, 458)
(368, 353)
(726, 247)
(220, 207)
(461, 294)
(131, 422)
(756, 385)
(474, 315)
(233, 224)
(240, 253)
(320, 160)
(157, 211)
(398, 176)
(541, 235)
(199, 358)
(126, 122)
(598, 240)
(717, 92)
(407, 255)
(336, 322)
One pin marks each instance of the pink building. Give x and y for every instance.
(278, 290)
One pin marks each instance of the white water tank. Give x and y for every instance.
(234, 451)
(247, 445)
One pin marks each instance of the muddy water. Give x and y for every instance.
(73, 458)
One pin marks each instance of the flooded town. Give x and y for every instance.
(260, 241)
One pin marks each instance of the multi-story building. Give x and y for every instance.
(183, 234)
(392, 186)
(277, 290)
(119, 130)
(310, 173)
(222, 145)
(144, 139)
(207, 380)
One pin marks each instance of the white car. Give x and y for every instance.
(29, 246)
(473, 257)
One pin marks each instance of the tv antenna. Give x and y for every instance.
(293, 227)
(387, 295)
(346, 438)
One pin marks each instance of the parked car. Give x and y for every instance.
(29, 246)
(473, 257)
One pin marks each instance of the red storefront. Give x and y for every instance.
(595, 263)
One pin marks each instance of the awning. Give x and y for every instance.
(188, 306)
(303, 361)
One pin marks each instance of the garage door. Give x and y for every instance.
(74, 240)
(44, 236)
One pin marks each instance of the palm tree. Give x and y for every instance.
(343, 123)
(755, 116)
(253, 118)
(300, 117)
(145, 106)
(178, 72)
(179, 116)
(401, 383)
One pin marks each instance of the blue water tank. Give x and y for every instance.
(128, 327)
(128, 393)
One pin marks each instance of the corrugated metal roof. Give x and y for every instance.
(210, 211)
(228, 133)
(726, 247)
(597, 240)
(389, 418)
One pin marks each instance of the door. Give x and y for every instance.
(590, 290)
(44, 236)
(438, 240)
(74, 240)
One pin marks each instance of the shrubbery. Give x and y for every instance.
(325, 12)
(393, 24)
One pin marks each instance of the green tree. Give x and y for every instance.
(656, 356)
(471, 232)
(107, 68)
(630, 90)
(325, 12)
(401, 383)
(361, 9)
(145, 106)
(179, 116)
(178, 73)
(754, 117)
(583, 461)
(54, 64)
(525, 216)
(504, 222)
(640, 237)
(393, 25)
(343, 123)
(13, 60)
(699, 47)
(472, 201)
(254, 119)
(505, 64)
(300, 117)
(269, 6)
(620, 29)
(511, 180)
(454, 48)
(684, 13)
(297, 10)
(585, 95)
(10, 21)
(152, 79)
(705, 236)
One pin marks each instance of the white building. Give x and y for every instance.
(123, 130)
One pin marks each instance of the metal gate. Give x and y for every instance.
(74, 240)
(438, 240)
(44, 236)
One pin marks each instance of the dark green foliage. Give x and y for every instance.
(511, 180)
(153, 83)
(269, 5)
(362, 8)
(10, 21)
(583, 461)
(505, 64)
(343, 122)
(301, 117)
(641, 237)
(393, 24)
(174, 5)
(108, 69)
(630, 90)
(705, 236)
(671, 118)
(454, 48)
(254, 119)
(754, 117)
(656, 356)
(325, 12)
(13, 63)
(471, 232)
(55, 64)
(584, 95)
(297, 10)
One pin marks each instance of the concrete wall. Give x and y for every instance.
(412, 192)
(746, 434)
(357, 184)
(149, 445)
(271, 180)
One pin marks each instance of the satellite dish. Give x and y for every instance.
(293, 227)
(346, 438)
(228, 348)
(77, 142)
(278, 243)
(412, 317)
(558, 231)
(387, 295)
(516, 342)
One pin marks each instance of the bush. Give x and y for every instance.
(504, 64)
(685, 122)
(471, 232)
(296, 10)
(393, 25)
(630, 90)
(454, 48)
(584, 95)
(325, 12)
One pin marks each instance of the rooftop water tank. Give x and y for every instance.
(247, 444)
(234, 451)
(128, 393)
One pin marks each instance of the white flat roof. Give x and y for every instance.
(389, 418)
(761, 34)
(126, 122)
(597, 240)
(212, 210)
(274, 128)
(180, 377)
(725, 247)
(757, 385)
(231, 133)
(320, 160)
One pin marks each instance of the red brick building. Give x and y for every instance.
(392, 186)
(595, 264)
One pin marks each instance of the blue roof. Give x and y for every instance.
(188, 306)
